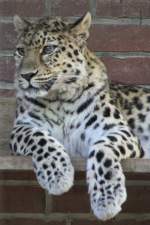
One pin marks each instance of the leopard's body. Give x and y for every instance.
(65, 108)
(134, 103)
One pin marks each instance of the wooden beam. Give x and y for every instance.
(25, 163)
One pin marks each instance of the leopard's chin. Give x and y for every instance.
(35, 92)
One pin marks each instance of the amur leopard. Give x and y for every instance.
(66, 107)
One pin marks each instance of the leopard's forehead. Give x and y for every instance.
(38, 31)
(52, 24)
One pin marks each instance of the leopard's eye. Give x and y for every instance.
(21, 51)
(49, 49)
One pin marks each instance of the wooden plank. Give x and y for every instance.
(25, 163)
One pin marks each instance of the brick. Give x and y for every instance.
(76, 200)
(24, 221)
(111, 222)
(17, 175)
(69, 8)
(124, 8)
(119, 38)
(7, 37)
(21, 7)
(129, 70)
(138, 176)
(25, 199)
(7, 69)
(138, 199)
(7, 93)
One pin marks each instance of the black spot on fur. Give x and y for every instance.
(77, 72)
(63, 48)
(39, 158)
(51, 149)
(96, 126)
(131, 123)
(102, 182)
(141, 117)
(84, 105)
(34, 116)
(130, 146)
(141, 152)
(112, 138)
(116, 152)
(40, 151)
(116, 114)
(108, 126)
(46, 155)
(126, 132)
(99, 156)
(92, 153)
(53, 165)
(15, 147)
(33, 148)
(108, 175)
(26, 139)
(102, 97)
(69, 55)
(19, 138)
(107, 163)
(82, 136)
(122, 149)
(100, 171)
(91, 121)
(45, 166)
(148, 99)
(96, 108)
(133, 155)
(106, 112)
(31, 142)
(140, 129)
(42, 142)
(99, 142)
(38, 133)
(76, 52)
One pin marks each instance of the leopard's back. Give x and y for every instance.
(134, 103)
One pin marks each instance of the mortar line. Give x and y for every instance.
(48, 10)
(97, 20)
(18, 183)
(122, 55)
(61, 216)
(48, 203)
(116, 54)
(92, 6)
(6, 85)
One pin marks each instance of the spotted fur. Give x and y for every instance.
(65, 108)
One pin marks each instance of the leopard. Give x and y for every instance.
(67, 107)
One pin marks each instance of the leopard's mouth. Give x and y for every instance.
(37, 86)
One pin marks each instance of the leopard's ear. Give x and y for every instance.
(80, 28)
(20, 24)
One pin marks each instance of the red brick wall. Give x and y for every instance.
(121, 36)
(23, 202)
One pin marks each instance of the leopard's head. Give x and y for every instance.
(50, 54)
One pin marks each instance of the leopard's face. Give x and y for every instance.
(49, 55)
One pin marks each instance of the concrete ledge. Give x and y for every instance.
(25, 163)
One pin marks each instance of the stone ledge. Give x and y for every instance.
(25, 163)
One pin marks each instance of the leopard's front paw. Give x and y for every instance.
(105, 207)
(107, 191)
(55, 173)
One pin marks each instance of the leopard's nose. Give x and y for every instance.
(28, 76)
